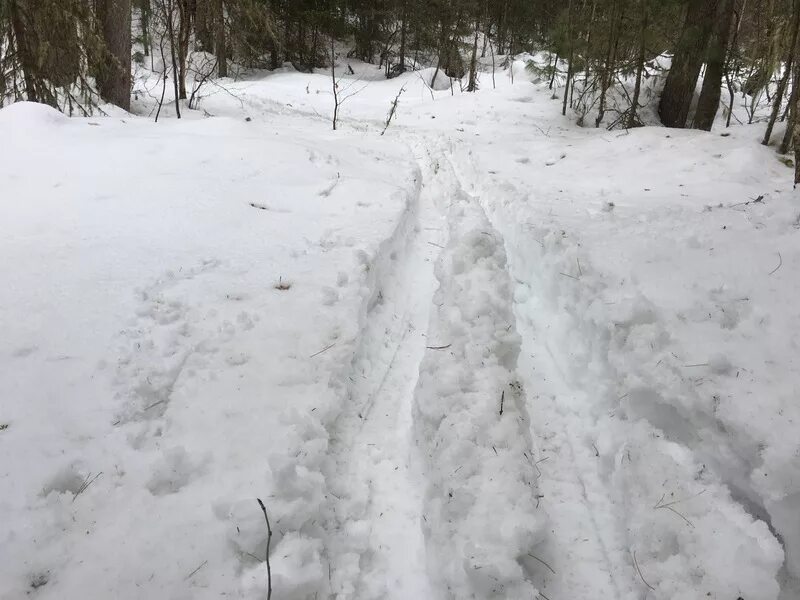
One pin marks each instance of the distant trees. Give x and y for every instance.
(46, 46)
(71, 53)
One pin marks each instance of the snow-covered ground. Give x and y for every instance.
(487, 355)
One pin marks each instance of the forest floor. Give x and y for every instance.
(489, 354)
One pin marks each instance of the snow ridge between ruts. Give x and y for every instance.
(321, 535)
(655, 448)
(481, 516)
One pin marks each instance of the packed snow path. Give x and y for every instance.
(376, 548)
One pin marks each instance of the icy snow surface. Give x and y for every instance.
(487, 355)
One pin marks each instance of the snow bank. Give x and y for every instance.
(22, 116)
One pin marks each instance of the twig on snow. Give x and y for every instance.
(323, 350)
(85, 485)
(189, 576)
(502, 401)
(636, 564)
(269, 539)
(780, 263)
(154, 404)
(552, 570)
(438, 347)
(669, 505)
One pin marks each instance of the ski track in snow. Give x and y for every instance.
(376, 548)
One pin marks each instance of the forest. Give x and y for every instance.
(72, 54)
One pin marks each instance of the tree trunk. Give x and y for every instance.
(219, 42)
(184, 33)
(473, 63)
(731, 54)
(26, 58)
(796, 139)
(676, 99)
(552, 74)
(403, 26)
(786, 143)
(708, 104)
(570, 59)
(203, 25)
(776, 106)
(610, 60)
(169, 12)
(144, 8)
(114, 76)
(335, 85)
(642, 55)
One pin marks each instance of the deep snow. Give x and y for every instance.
(201, 312)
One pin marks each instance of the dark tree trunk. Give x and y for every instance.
(776, 106)
(219, 43)
(169, 9)
(786, 143)
(23, 48)
(203, 25)
(144, 8)
(640, 58)
(114, 76)
(570, 59)
(796, 140)
(401, 67)
(184, 33)
(708, 104)
(676, 99)
(473, 63)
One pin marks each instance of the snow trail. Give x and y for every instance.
(376, 548)
(482, 517)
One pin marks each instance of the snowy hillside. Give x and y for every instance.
(489, 354)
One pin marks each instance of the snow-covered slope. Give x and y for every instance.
(203, 312)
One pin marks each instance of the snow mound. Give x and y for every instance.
(24, 115)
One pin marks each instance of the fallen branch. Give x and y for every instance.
(269, 539)
(438, 347)
(393, 110)
(502, 400)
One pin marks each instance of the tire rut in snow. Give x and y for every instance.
(481, 515)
